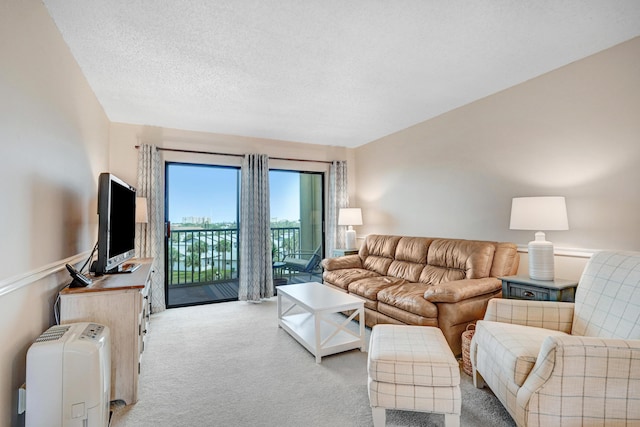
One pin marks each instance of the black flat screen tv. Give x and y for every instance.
(116, 223)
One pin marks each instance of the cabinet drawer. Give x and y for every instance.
(142, 301)
(527, 292)
(519, 287)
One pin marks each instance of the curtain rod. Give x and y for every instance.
(177, 150)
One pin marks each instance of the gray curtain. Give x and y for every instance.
(338, 198)
(150, 240)
(256, 273)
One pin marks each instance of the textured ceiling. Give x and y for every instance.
(331, 72)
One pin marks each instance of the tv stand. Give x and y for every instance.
(122, 302)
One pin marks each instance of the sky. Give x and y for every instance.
(211, 191)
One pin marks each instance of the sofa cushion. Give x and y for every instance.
(410, 258)
(342, 278)
(378, 252)
(379, 245)
(460, 290)
(450, 259)
(413, 249)
(369, 287)
(409, 271)
(377, 264)
(408, 297)
(434, 275)
(515, 346)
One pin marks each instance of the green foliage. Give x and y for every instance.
(223, 245)
(195, 249)
(175, 255)
(289, 245)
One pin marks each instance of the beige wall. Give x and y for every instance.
(573, 132)
(53, 144)
(125, 137)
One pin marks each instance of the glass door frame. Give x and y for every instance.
(322, 176)
(167, 225)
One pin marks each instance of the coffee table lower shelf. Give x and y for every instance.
(332, 339)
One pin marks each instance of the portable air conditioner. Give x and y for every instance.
(68, 377)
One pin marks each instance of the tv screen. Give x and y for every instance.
(116, 223)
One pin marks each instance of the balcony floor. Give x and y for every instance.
(180, 296)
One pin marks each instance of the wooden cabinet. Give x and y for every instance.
(522, 287)
(121, 302)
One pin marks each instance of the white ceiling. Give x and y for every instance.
(334, 72)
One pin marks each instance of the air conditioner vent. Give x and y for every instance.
(53, 334)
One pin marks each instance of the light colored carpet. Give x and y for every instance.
(229, 364)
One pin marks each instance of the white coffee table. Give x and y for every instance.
(315, 328)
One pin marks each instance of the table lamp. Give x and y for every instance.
(350, 217)
(142, 215)
(539, 213)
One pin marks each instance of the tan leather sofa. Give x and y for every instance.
(424, 281)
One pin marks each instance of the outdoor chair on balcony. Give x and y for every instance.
(303, 261)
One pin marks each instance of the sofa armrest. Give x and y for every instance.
(557, 316)
(459, 290)
(338, 263)
(605, 369)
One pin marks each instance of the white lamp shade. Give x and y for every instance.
(350, 216)
(539, 213)
(142, 215)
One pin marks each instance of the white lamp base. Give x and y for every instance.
(350, 238)
(541, 258)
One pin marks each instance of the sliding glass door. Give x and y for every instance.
(297, 219)
(202, 211)
(202, 239)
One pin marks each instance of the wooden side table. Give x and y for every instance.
(342, 252)
(522, 287)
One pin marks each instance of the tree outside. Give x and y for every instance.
(194, 253)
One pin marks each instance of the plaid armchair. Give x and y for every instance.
(554, 363)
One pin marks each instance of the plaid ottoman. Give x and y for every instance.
(412, 368)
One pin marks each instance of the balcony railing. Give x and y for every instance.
(202, 256)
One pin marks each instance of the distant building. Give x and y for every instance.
(196, 220)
